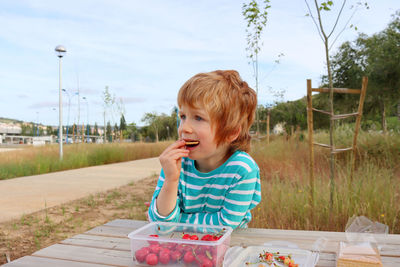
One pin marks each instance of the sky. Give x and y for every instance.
(145, 50)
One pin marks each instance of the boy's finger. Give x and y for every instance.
(177, 144)
(176, 154)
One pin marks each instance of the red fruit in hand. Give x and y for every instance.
(152, 259)
(164, 256)
(189, 257)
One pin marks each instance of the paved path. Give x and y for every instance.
(33, 193)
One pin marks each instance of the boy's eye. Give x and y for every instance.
(182, 117)
(198, 118)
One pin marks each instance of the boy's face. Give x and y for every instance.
(196, 125)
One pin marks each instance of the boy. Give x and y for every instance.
(207, 177)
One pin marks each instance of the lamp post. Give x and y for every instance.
(61, 50)
(69, 108)
(87, 124)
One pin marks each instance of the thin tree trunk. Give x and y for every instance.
(257, 112)
(331, 125)
(383, 122)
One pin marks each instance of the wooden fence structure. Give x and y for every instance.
(332, 116)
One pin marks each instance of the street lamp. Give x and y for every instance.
(87, 124)
(61, 50)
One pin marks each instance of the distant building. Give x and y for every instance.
(10, 128)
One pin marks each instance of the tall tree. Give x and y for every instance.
(255, 14)
(122, 125)
(326, 36)
(96, 129)
(382, 53)
(108, 131)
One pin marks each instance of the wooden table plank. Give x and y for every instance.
(87, 254)
(134, 224)
(95, 241)
(31, 261)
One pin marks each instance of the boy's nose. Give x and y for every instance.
(184, 127)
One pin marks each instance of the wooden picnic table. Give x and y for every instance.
(108, 245)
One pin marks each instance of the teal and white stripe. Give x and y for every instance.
(223, 196)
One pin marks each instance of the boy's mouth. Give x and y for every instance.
(191, 143)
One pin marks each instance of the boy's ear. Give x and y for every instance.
(235, 135)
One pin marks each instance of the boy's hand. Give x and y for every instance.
(170, 160)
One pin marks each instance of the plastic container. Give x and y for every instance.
(163, 244)
(239, 256)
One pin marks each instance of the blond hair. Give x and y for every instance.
(229, 102)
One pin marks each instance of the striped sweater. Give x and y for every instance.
(223, 196)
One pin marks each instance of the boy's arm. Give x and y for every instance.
(153, 213)
(171, 162)
(240, 199)
(164, 203)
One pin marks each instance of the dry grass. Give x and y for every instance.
(39, 160)
(285, 186)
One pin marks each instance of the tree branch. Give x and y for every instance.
(344, 27)
(313, 19)
(337, 19)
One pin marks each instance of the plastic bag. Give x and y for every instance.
(365, 239)
(361, 229)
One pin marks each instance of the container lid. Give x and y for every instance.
(238, 256)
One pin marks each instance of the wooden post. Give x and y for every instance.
(310, 139)
(358, 122)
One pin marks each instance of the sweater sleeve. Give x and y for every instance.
(153, 213)
(239, 200)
